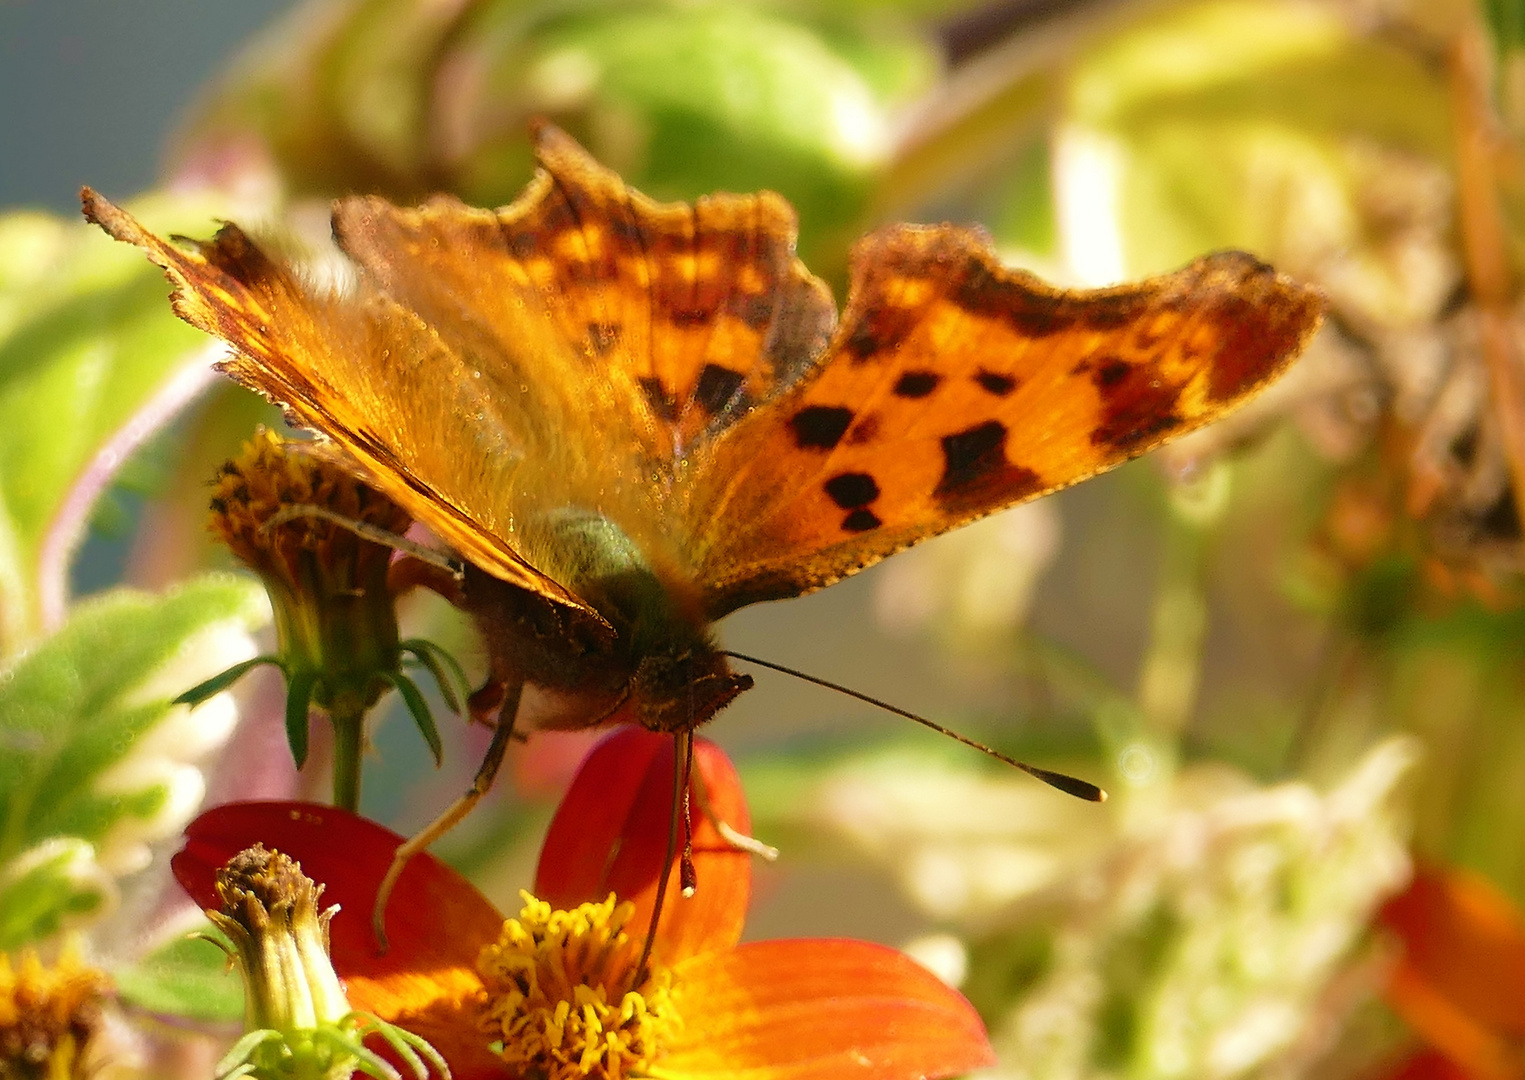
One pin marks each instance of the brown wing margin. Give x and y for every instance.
(955, 387)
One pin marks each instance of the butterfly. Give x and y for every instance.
(631, 418)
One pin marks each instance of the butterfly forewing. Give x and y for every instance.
(676, 318)
(955, 387)
(367, 373)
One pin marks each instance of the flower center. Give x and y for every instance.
(562, 996)
(48, 1014)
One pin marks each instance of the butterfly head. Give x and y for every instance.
(678, 692)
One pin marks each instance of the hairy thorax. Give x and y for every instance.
(658, 668)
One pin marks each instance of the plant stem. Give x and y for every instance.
(349, 737)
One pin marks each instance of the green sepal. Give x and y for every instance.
(414, 699)
(411, 1048)
(220, 682)
(299, 692)
(448, 674)
(237, 1061)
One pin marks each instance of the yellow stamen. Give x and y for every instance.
(48, 1014)
(562, 997)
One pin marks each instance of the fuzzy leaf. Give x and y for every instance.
(80, 703)
(44, 886)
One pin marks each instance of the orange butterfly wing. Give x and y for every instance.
(673, 368)
(688, 314)
(955, 386)
(344, 366)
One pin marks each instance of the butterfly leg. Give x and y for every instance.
(409, 573)
(502, 734)
(738, 840)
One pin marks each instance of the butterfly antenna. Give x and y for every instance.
(682, 755)
(366, 531)
(1070, 785)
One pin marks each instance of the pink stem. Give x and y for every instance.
(67, 528)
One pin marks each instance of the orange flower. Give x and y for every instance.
(1460, 983)
(557, 987)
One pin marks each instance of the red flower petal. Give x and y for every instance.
(436, 921)
(1461, 983)
(1426, 1065)
(820, 1010)
(610, 835)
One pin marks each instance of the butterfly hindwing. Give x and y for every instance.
(954, 387)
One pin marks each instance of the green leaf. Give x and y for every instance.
(1242, 123)
(80, 703)
(419, 708)
(221, 681)
(1506, 24)
(448, 674)
(42, 887)
(87, 338)
(298, 699)
(683, 100)
(189, 977)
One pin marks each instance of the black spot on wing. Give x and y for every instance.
(971, 454)
(861, 521)
(917, 384)
(603, 336)
(1108, 371)
(717, 388)
(1137, 405)
(993, 382)
(686, 317)
(976, 474)
(852, 490)
(659, 398)
(879, 331)
(820, 427)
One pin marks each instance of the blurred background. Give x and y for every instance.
(1289, 645)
